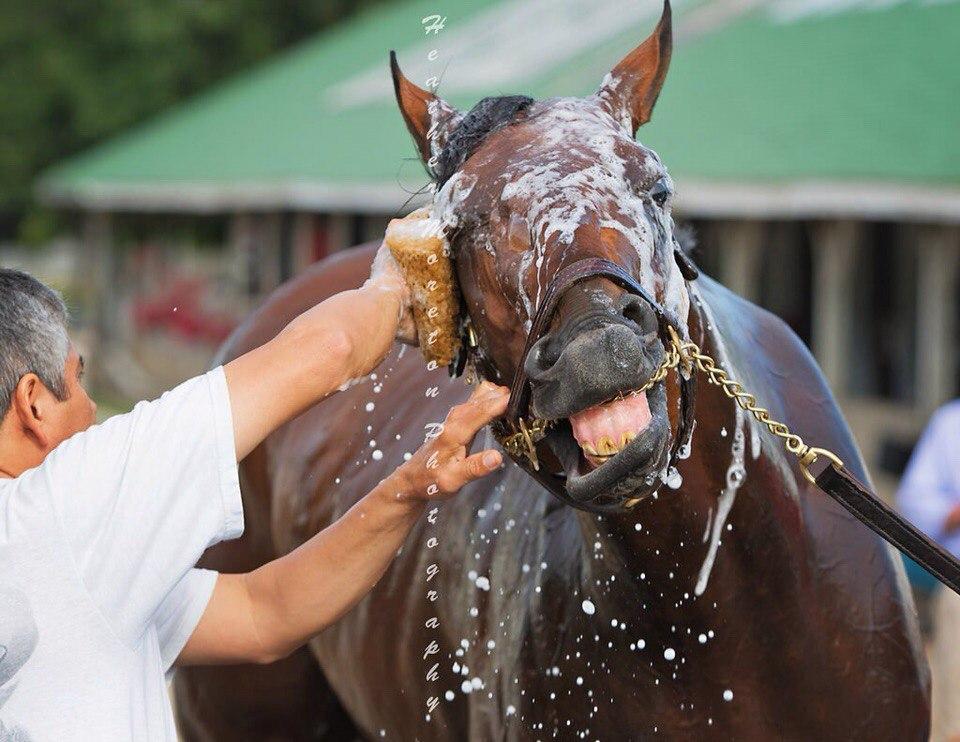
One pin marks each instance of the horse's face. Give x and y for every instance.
(530, 187)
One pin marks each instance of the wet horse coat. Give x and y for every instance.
(572, 622)
(733, 602)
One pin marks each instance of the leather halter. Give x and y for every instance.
(518, 405)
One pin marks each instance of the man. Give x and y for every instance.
(101, 526)
(929, 495)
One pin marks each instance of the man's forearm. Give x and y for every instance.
(300, 594)
(266, 614)
(367, 318)
(342, 338)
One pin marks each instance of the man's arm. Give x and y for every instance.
(266, 614)
(342, 338)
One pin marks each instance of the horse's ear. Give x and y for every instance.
(429, 118)
(632, 87)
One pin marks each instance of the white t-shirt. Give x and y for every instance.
(98, 590)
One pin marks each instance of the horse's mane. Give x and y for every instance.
(488, 115)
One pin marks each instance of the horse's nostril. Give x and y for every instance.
(639, 312)
(542, 356)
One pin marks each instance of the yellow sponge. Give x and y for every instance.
(418, 245)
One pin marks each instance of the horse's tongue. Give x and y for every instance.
(608, 427)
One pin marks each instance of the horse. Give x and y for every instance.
(715, 595)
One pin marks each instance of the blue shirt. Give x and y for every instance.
(930, 487)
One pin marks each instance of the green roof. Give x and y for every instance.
(789, 106)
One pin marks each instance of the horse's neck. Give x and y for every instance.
(698, 532)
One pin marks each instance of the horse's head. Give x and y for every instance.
(527, 187)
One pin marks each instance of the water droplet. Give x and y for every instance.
(669, 654)
(728, 695)
(491, 644)
(673, 479)
(483, 583)
(702, 638)
(377, 454)
(588, 607)
(466, 687)
(511, 710)
(449, 695)
(369, 406)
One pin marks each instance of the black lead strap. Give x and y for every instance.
(836, 481)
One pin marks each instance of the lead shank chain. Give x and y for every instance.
(689, 354)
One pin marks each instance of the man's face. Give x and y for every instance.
(77, 411)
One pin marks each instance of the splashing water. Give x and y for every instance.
(736, 474)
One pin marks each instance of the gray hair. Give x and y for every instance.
(33, 335)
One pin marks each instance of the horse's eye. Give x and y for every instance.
(660, 192)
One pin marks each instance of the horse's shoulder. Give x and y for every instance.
(343, 270)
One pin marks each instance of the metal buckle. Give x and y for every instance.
(523, 442)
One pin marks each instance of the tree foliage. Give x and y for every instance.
(74, 73)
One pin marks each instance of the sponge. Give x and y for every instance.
(418, 245)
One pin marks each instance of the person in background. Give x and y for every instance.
(929, 495)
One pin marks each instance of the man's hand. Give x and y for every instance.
(952, 523)
(441, 467)
(387, 276)
(266, 614)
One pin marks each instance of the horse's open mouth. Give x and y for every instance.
(616, 448)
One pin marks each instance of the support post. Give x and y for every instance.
(97, 272)
(834, 251)
(740, 245)
(938, 261)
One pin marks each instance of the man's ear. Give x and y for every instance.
(31, 406)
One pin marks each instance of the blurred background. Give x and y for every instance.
(166, 163)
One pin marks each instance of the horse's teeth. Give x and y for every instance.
(605, 446)
(589, 448)
(626, 438)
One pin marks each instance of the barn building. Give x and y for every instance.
(813, 143)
